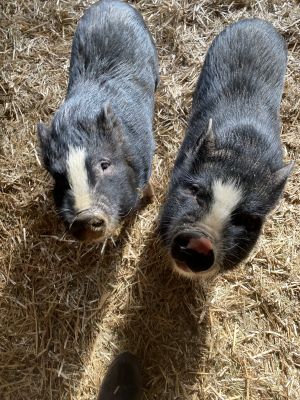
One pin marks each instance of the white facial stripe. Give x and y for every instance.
(78, 178)
(226, 196)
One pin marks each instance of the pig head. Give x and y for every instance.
(216, 205)
(89, 171)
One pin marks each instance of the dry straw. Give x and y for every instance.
(66, 309)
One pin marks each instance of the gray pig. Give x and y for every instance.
(100, 145)
(229, 171)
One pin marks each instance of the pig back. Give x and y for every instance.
(114, 59)
(241, 83)
(112, 42)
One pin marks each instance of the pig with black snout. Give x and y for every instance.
(229, 172)
(100, 145)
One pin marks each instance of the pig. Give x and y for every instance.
(229, 172)
(100, 145)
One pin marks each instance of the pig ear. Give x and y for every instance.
(109, 122)
(204, 144)
(281, 175)
(43, 134)
(207, 140)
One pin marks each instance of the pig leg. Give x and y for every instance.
(147, 196)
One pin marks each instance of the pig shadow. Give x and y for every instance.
(52, 298)
(166, 327)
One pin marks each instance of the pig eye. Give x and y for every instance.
(250, 222)
(60, 178)
(194, 189)
(104, 164)
(200, 193)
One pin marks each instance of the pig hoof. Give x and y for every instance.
(148, 195)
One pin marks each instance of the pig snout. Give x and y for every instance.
(193, 251)
(90, 225)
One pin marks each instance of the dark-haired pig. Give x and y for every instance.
(100, 145)
(229, 172)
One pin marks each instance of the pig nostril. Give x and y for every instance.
(97, 224)
(181, 241)
(88, 227)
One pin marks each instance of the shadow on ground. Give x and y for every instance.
(52, 298)
(166, 326)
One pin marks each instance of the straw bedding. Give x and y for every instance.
(67, 308)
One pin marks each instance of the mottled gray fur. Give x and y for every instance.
(239, 90)
(108, 109)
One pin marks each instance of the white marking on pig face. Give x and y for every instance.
(78, 178)
(226, 196)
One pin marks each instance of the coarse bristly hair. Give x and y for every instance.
(229, 173)
(100, 145)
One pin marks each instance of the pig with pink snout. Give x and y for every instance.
(229, 173)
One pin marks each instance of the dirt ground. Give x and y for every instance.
(67, 308)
